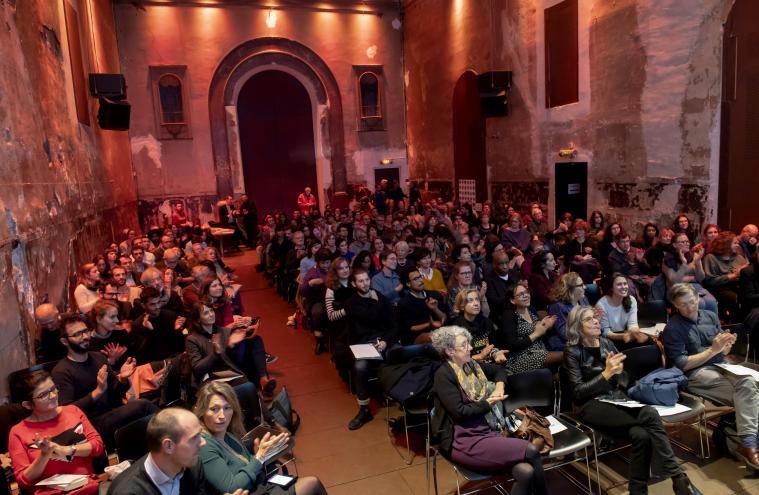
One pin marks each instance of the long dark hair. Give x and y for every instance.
(607, 286)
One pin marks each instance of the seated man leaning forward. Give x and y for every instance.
(695, 343)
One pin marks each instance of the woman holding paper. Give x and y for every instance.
(595, 372)
(52, 440)
(470, 418)
(227, 463)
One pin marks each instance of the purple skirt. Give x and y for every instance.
(477, 447)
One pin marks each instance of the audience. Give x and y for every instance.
(139, 290)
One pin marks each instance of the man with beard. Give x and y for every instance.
(156, 334)
(86, 380)
(370, 321)
(153, 277)
(419, 311)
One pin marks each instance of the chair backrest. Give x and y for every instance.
(15, 379)
(406, 353)
(535, 388)
(131, 441)
(641, 361)
(651, 313)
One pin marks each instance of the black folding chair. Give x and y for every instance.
(131, 441)
(652, 312)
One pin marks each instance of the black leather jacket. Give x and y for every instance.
(583, 371)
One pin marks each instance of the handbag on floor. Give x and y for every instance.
(282, 411)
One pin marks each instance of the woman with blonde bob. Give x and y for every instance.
(470, 417)
(227, 464)
(595, 372)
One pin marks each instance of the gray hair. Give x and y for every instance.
(574, 324)
(444, 338)
(681, 289)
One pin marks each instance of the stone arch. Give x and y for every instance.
(251, 57)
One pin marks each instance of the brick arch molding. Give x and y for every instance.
(238, 64)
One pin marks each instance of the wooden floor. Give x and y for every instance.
(365, 462)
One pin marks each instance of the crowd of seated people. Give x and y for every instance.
(153, 319)
(513, 286)
(166, 306)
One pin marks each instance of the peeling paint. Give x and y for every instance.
(51, 41)
(151, 145)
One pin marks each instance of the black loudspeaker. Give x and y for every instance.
(114, 115)
(111, 86)
(494, 90)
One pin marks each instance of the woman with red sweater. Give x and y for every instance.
(52, 440)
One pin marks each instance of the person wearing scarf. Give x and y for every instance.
(470, 418)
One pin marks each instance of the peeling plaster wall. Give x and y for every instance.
(200, 37)
(65, 188)
(647, 121)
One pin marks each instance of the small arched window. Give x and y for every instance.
(369, 96)
(369, 92)
(171, 107)
(170, 96)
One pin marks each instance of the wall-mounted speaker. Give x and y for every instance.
(114, 115)
(111, 86)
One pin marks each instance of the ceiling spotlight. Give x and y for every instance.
(271, 19)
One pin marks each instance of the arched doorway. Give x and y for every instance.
(739, 153)
(262, 54)
(469, 160)
(276, 139)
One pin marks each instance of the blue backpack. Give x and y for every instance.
(660, 387)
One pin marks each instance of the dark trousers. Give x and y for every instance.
(247, 395)
(107, 423)
(649, 439)
(250, 356)
(362, 372)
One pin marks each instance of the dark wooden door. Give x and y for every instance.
(571, 189)
(277, 140)
(739, 146)
(469, 161)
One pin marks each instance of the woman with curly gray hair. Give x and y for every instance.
(470, 417)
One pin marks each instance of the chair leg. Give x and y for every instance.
(410, 456)
(587, 472)
(434, 470)
(595, 458)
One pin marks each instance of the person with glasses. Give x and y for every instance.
(483, 330)
(53, 439)
(683, 264)
(462, 277)
(419, 311)
(568, 292)
(522, 333)
(468, 415)
(695, 342)
(595, 372)
(86, 380)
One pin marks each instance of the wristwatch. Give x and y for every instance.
(70, 457)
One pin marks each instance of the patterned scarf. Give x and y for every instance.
(476, 386)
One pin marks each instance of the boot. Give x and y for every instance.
(683, 486)
(364, 416)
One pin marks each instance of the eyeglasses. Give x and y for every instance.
(522, 295)
(80, 333)
(46, 394)
(588, 319)
(464, 346)
(464, 273)
(415, 279)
